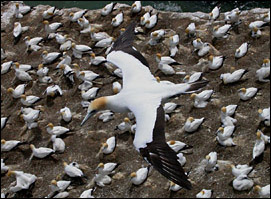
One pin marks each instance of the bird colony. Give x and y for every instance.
(54, 64)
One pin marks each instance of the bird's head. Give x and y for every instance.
(258, 135)
(73, 45)
(76, 66)
(148, 22)
(265, 61)
(45, 22)
(257, 188)
(81, 19)
(202, 192)
(65, 164)
(255, 29)
(94, 106)
(71, 14)
(44, 53)
(50, 13)
(171, 142)
(133, 5)
(198, 40)
(260, 111)
(23, 97)
(207, 157)
(62, 66)
(17, 64)
(92, 55)
(17, 5)
(114, 20)
(50, 125)
(10, 172)
(126, 119)
(221, 129)
(265, 15)
(10, 90)
(224, 109)
(155, 34)
(142, 18)
(243, 90)
(27, 38)
(186, 77)
(40, 66)
(133, 175)
(158, 79)
(187, 31)
(32, 146)
(193, 95)
(3, 141)
(190, 119)
(158, 55)
(54, 182)
(211, 57)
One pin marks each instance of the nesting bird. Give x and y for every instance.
(51, 28)
(89, 94)
(58, 144)
(242, 182)
(23, 180)
(139, 176)
(177, 145)
(263, 191)
(66, 114)
(106, 169)
(242, 50)
(216, 62)
(40, 152)
(53, 91)
(109, 146)
(192, 124)
(21, 10)
(152, 21)
(247, 93)
(228, 78)
(56, 130)
(240, 169)
(117, 20)
(9, 145)
(201, 98)
(5, 67)
(190, 31)
(222, 32)
(96, 60)
(214, 14)
(72, 171)
(49, 58)
(29, 100)
(211, 162)
(204, 193)
(136, 7)
(75, 16)
(259, 146)
(264, 116)
(79, 50)
(107, 9)
(18, 91)
(193, 78)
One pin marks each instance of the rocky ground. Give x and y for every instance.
(83, 144)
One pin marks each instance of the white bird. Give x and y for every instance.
(166, 69)
(116, 86)
(257, 24)
(204, 50)
(177, 145)
(201, 98)
(56, 130)
(53, 91)
(263, 191)
(264, 115)
(31, 117)
(23, 180)
(104, 43)
(9, 145)
(87, 75)
(242, 183)
(173, 50)
(117, 20)
(242, 50)
(107, 9)
(211, 162)
(49, 13)
(29, 100)
(259, 146)
(169, 107)
(215, 13)
(51, 28)
(106, 116)
(118, 72)
(266, 17)
(263, 74)
(190, 31)
(157, 34)
(79, 50)
(96, 60)
(142, 95)
(66, 114)
(46, 79)
(102, 180)
(18, 91)
(205, 193)
(228, 78)
(85, 85)
(192, 124)
(139, 176)
(109, 146)
(228, 110)
(232, 16)
(42, 71)
(22, 75)
(228, 121)
(40, 152)
(23, 67)
(75, 16)
(255, 32)
(60, 38)
(227, 143)
(247, 93)
(4, 168)
(193, 78)
(5, 67)
(197, 44)
(49, 58)
(240, 169)
(87, 193)
(225, 133)
(3, 122)
(72, 171)
(58, 144)
(84, 23)
(165, 60)
(63, 194)
(152, 21)
(216, 62)
(136, 7)
(97, 36)
(222, 32)
(125, 125)
(174, 187)
(181, 158)
(68, 72)
(22, 9)
(106, 169)
(145, 18)
(32, 44)
(266, 138)
(89, 94)
(66, 59)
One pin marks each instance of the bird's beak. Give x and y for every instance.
(89, 114)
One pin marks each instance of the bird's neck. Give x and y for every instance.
(116, 104)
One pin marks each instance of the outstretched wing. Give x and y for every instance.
(150, 141)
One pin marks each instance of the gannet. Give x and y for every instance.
(89, 94)
(259, 146)
(166, 69)
(17, 32)
(66, 59)
(10, 144)
(152, 21)
(242, 50)
(242, 182)
(56, 130)
(221, 32)
(240, 169)
(75, 16)
(263, 191)
(107, 9)
(102, 180)
(87, 193)
(215, 13)
(24, 67)
(53, 91)
(79, 50)
(204, 193)
(49, 58)
(174, 187)
(173, 50)
(117, 20)
(177, 145)
(106, 116)
(40, 152)
(31, 117)
(63, 194)
(49, 13)
(104, 43)
(4, 121)
(46, 79)
(225, 133)
(190, 31)
(166, 60)
(136, 7)
(109, 146)
(68, 72)
(18, 91)
(139, 176)
(66, 114)
(192, 124)
(193, 78)
(138, 81)
(204, 50)
(96, 60)
(263, 74)
(87, 75)
(116, 86)
(228, 78)
(266, 138)
(211, 162)
(4, 168)
(42, 71)
(125, 125)
(169, 107)
(97, 36)
(72, 171)
(3, 55)
(106, 169)
(264, 115)
(144, 18)
(232, 16)
(201, 98)
(228, 110)
(118, 72)
(85, 85)
(60, 38)
(32, 44)
(29, 100)
(255, 32)
(197, 44)
(216, 62)
(266, 17)
(247, 93)
(5, 67)
(258, 24)
(58, 144)
(83, 22)
(23, 180)
(22, 75)
(52, 27)
(181, 158)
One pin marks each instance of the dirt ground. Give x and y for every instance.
(83, 143)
